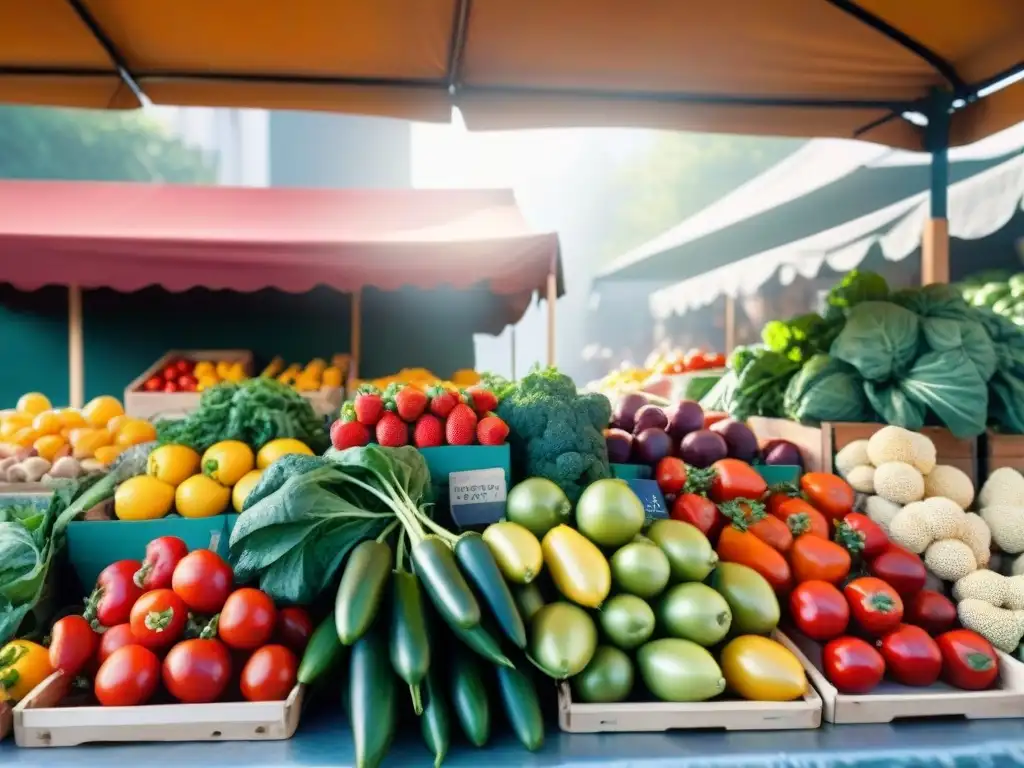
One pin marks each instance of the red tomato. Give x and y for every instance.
(715, 360)
(735, 479)
(911, 656)
(819, 610)
(128, 677)
(158, 618)
(203, 580)
(815, 559)
(699, 512)
(968, 660)
(187, 383)
(873, 539)
(115, 593)
(743, 547)
(812, 522)
(828, 493)
(874, 604)
(932, 611)
(170, 386)
(184, 366)
(72, 644)
(162, 555)
(901, 569)
(197, 671)
(670, 474)
(153, 384)
(852, 665)
(772, 532)
(776, 498)
(170, 372)
(114, 638)
(247, 619)
(269, 675)
(293, 629)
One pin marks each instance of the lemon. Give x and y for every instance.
(47, 423)
(85, 441)
(135, 431)
(275, 449)
(115, 424)
(173, 464)
(11, 425)
(244, 487)
(47, 446)
(227, 461)
(107, 453)
(71, 419)
(102, 409)
(33, 403)
(143, 498)
(201, 496)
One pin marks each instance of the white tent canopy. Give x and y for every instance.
(978, 207)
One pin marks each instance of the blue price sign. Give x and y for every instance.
(650, 496)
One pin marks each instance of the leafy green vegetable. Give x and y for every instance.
(879, 340)
(826, 389)
(893, 406)
(948, 385)
(855, 288)
(254, 411)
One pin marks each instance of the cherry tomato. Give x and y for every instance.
(852, 665)
(170, 372)
(874, 604)
(187, 383)
(153, 384)
(911, 656)
(968, 660)
(128, 677)
(197, 671)
(72, 645)
(901, 569)
(158, 619)
(699, 512)
(735, 479)
(203, 580)
(873, 539)
(932, 611)
(171, 386)
(293, 629)
(715, 360)
(812, 522)
(816, 559)
(184, 366)
(828, 493)
(115, 593)
(819, 610)
(247, 619)
(114, 638)
(162, 555)
(670, 474)
(269, 675)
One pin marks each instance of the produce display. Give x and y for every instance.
(404, 414)
(186, 375)
(998, 290)
(309, 377)
(906, 358)
(40, 443)
(423, 379)
(659, 367)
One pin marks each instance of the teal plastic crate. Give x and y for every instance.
(632, 471)
(95, 544)
(446, 459)
(774, 474)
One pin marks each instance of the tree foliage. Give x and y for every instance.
(86, 145)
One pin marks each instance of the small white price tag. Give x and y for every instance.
(477, 496)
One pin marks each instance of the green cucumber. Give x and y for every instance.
(409, 646)
(477, 562)
(361, 590)
(435, 722)
(469, 698)
(522, 706)
(322, 652)
(484, 643)
(372, 699)
(444, 583)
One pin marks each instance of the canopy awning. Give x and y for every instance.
(128, 236)
(978, 207)
(787, 67)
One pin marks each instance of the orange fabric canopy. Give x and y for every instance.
(845, 68)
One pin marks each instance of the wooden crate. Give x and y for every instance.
(40, 721)
(326, 401)
(1002, 451)
(147, 405)
(892, 701)
(727, 714)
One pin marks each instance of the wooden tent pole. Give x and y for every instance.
(356, 337)
(552, 301)
(730, 324)
(935, 238)
(76, 349)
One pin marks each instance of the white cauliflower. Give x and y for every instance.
(854, 454)
(950, 559)
(881, 511)
(1007, 525)
(892, 444)
(979, 538)
(943, 518)
(909, 528)
(1000, 626)
(924, 455)
(952, 483)
(862, 479)
(1005, 486)
(898, 482)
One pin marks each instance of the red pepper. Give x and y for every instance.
(162, 555)
(116, 592)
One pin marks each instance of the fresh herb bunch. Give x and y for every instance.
(254, 411)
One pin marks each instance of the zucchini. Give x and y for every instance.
(435, 722)
(522, 707)
(372, 699)
(477, 562)
(322, 652)
(444, 583)
(469, 698)
(361, 590)
(409, 646)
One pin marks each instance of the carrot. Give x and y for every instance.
(738, 544)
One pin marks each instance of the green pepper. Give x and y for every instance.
(409, 646)
(522, 706)
(321, 653)
(441, 578)
(361, 590)
(372, 699)
(435, 723)
(469, 698)
(477, 562)
(484, 643)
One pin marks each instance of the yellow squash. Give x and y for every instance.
(201, 496)
(23, 666)
(760, 669)
(227, 461)
(577, 567)
(143, 498)
(244, 487)
(516, 551)
(275, 449)
(173, 464)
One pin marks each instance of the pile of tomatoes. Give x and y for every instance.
(175, 621)
(847, 585)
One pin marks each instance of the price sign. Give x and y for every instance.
(477, 496)
(650, 495)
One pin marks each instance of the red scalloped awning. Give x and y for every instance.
(129, 236)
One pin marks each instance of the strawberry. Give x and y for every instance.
(461, 426)
(392, 432)
(428, 432)
(442, 401)
(349, 434)
(491, 431)
(410, 403)
(482, 400)
(368, 404)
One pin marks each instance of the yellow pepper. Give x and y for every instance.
(23, 666)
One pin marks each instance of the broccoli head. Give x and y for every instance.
(555, 432)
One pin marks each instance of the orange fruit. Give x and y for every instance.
(47, 423)
(101, 410)
(135, 431)
(33, 403)
(48, 445)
